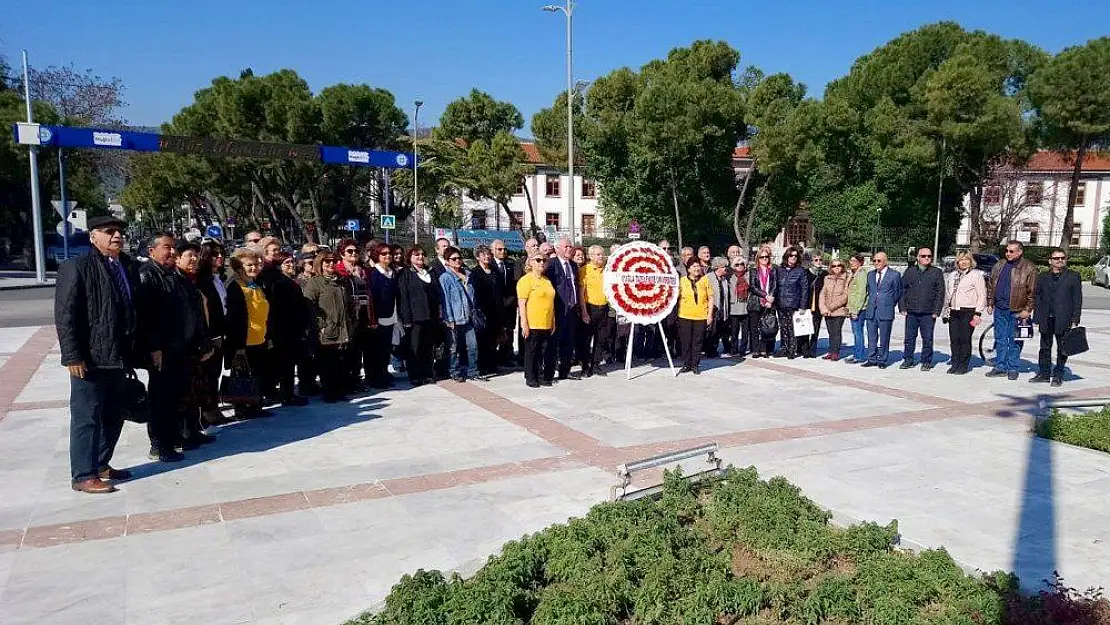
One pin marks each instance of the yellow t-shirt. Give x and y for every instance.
(540, 294)
(687, 307)
(591, 277)
(258, 311)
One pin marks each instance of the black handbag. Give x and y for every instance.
(241, 387)
(769, 325)
(1074, 341)
(136, 403)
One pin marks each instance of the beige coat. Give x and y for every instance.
(834, 296)
(971, 292)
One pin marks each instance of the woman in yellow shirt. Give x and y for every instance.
(536, 300)
(248, 313)
(695, 313)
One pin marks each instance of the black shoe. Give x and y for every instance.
(996, 373)
(588, 373)
(883, 365)
(547, 383)
(532, 384)
(1013, 375)
(926, 366)
(906, 364)
(870, 363)
(295, 400)
(170, 456)
(1041, 377)
(961, 371)
(951, 369)
(308, 389)
(430, 381)
(696, 370)
(1057, 380)
(809, 355)
(600, 373)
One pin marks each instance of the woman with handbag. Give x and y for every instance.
(965, 297)
(360, 354)
(695, 315)
(793, 296)
(381, 281)
(329, 295)
(833, 302)
(246, 348)
(487, 296)
(210, 279)
(460, 315)
(763, 288)
(418, 301)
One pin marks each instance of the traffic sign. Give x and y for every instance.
(64, 213)
(389, 222)
(634, 227)
(353, 225)
(214, 231)
(230, 221)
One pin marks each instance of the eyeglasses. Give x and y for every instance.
(1011, 251)
(351, 250)
(924, 255)
(328, 261)
(1058, 258)
(835, 265)
(111, 231)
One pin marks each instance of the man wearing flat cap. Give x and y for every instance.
(94, 314)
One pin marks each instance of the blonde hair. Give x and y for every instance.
(967, 255)
(236, 260)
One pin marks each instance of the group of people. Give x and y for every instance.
(338, 322)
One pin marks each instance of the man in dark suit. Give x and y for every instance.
(884, 289)
(1058, 304)
(564, 276)
(438, 265)
(506, 269)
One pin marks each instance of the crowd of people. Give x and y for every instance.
(339, 322)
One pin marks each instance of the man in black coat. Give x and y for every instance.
(95, 319)
(563, 274)
(921, 304)
(1058, 304)
(506, 268)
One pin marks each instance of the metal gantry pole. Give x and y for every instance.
(569, 10)
(36, 195)
(416, 173)
(940, 190)
(65, 204)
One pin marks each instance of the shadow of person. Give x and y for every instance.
(259, 435)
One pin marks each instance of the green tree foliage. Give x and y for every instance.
(478, 116)
(1072, 96)
(549, 128)
(659, 141)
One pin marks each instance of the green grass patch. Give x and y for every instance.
(1090, 430)
(735, 551)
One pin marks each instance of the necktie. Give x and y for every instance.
(878, 278)
(120, 279)
(570, 279)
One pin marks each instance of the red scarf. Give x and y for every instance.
(742, 286)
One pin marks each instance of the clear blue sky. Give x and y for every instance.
(438, 50)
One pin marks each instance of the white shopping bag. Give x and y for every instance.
(803, 323)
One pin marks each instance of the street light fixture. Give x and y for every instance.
(415, 174)
(568, 11)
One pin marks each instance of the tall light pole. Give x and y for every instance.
(415, 171)
(568, 11)
(36, 195)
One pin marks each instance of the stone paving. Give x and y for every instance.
(311, 516)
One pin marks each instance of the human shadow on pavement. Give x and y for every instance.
(258, 435)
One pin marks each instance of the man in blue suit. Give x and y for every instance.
(884, 289)
(563, 274)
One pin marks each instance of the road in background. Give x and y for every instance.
(26, 307)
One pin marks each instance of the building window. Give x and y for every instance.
(589, 223)
(552, 219)
(553, 185)
(1080, 194)
(516, 220)
(799, 231)
(478, 219)
(589, 188)
(992, 195)
(1076, 233)
(520, 187)
(1034, 193)
(1031, 228)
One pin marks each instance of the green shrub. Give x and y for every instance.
(1090, 430)
(1086, 272)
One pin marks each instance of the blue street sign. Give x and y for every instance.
(214, 231)
(353, 225)
(470, 239)
(389, 222)
(361, 157)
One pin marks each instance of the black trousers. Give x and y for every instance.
(487, 339)
(1044, 359)
(691, 335)
(330, 362)
(505, 332)
(307, 370)
(959, 336)
(282, 370)
(357, 356)
(737, 341)
(166, 390)
(762, 345)
(594, 339)
(95, 420)
(566, 331)
(422, 339)
(808, 344)
(379, 349)
(836, 334)
(213, 371)
(539, 356)
(786, 331)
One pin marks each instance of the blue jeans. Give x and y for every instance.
(95, 420)
(1007, 350)
(464, 337)
(859, 344)
(878, 339)
(924, 323)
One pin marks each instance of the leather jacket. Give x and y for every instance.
(1023, 284)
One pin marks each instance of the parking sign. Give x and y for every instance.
(353, 225)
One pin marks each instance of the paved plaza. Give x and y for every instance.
(310, 516)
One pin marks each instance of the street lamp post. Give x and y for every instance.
(415, 171)
(568, 11)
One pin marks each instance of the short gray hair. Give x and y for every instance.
(720, 262)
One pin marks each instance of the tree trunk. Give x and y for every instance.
(1073, 192)
(975, 219)
(677, 216)
(531, 210)
(742, 239)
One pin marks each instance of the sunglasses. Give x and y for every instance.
(455, 258)
(350, 250)
(765, 256)
(924, 255)
(838, 265)
(386, 253)
(1011, 251)
(111, 231)
(1058, 258)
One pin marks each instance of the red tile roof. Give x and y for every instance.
(742, 151)
(531, 153)
(1065, 161)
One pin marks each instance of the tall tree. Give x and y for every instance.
(478, 116)
(549, 128)
(1072, 96)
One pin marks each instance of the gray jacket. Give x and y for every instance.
(726, 303)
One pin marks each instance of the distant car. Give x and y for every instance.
(1102, 273)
